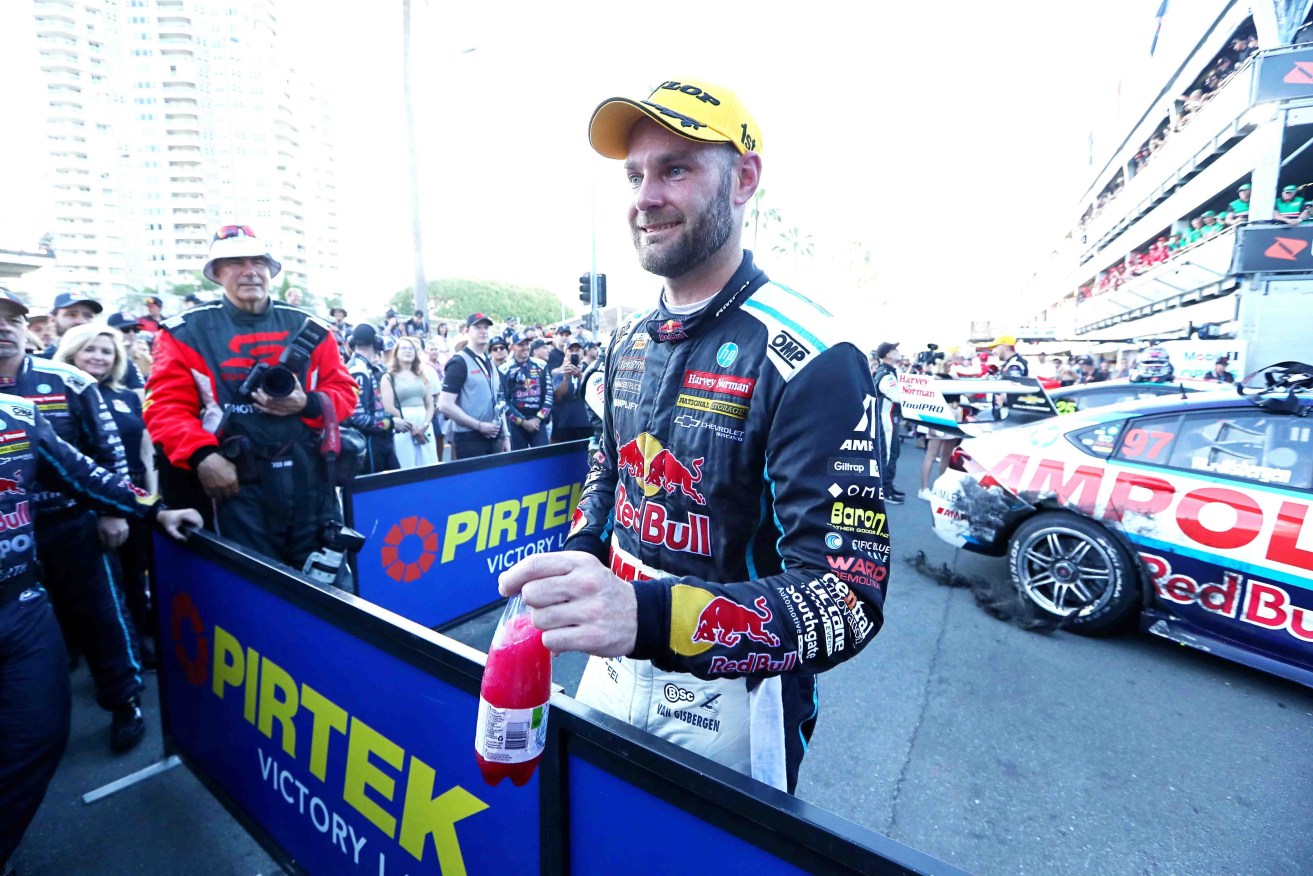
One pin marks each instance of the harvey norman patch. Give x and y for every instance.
(720, 384)
(715, 406)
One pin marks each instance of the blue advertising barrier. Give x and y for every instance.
(438, 536)
(341, 736)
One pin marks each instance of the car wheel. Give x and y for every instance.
(1073, 570)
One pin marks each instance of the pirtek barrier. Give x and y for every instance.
(439, 535)
(341, 736)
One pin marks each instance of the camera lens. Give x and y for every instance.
(278, 382)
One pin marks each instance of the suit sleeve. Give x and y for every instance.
(360, 418)
(100, 434)
(806, 617)
(173, 407)
(594, 517)
(328, 375)
(60, 464)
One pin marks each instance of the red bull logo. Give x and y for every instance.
(14, 484)
(656, 468)
(725, 622)
(654, 525)
(671, 330)
(17, 518)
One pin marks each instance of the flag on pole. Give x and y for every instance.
(1157, 27)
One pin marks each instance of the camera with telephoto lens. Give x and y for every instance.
(928, 357)
(336, 541)
(279, 380)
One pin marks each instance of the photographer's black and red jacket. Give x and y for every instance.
(201, 358)
(737, 486)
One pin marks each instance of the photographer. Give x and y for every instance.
(228, 404)
(528, 396)
(570, 414)
(472, 394)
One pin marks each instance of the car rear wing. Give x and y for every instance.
(990, 403)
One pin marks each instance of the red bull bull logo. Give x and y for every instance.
(656, 468)
(671, 330)
(12, 485)
(725, 622)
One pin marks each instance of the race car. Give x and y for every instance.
(1186, 513)
(1070, 399)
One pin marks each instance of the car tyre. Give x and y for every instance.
(1074, 571)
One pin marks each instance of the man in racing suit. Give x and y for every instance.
(77, 547)
(256, 454)
(889, 397)
(35, 700)
(528, 391)
(730, 542)
(369, 416)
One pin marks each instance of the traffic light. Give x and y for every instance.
(586, 291)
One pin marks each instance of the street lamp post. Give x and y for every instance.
(421, 284)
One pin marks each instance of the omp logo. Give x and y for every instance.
(1285, 249)
(790, 350)
(1300, 74)
(393, 558)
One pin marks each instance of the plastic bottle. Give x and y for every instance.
(517, 683)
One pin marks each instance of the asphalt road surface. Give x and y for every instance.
(1000, 750)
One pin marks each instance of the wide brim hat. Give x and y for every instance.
(236, 242)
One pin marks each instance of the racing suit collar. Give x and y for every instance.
(665, 326)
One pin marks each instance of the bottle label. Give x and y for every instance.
(510, 735)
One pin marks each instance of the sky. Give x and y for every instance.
(948, 138)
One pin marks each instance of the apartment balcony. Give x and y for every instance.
(57, 27)
(1196, 274)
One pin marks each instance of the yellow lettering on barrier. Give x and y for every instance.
(576, 490)
(481, 544)
(361, 773)
(329, 716)
(530, 503)
(503, 521)
(274, 679)
(425, 814)
(251, 689)
(557, 513)
(229, 667)
(461, 527)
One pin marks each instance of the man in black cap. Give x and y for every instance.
(889, 392)
(154, 314)
(70, 310)
(472, 394)
(192, 300)
(1219, 372)
(528, 397)
(369, 416)
(341, 330)
(556, 356)
(540, 349)
(569, 413)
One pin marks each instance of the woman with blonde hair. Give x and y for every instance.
(408, 398)
(98, 349)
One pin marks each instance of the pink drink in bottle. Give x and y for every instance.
(517, 683)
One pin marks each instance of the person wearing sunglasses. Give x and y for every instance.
(247, 443)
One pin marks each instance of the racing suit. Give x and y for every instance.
(34, 685)
(370, 418)
(193, 408)
(736, 487)
(81, 576)
(528, 390)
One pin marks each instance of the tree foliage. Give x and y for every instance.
(458, 298)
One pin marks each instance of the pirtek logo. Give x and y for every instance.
(1300, 74)
(1285, 249)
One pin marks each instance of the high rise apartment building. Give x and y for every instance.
(167, 118)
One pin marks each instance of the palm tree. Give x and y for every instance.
(757, 216)
(793, 241)
(421, 285)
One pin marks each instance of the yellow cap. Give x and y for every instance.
(696, 110)
(1003, 339)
